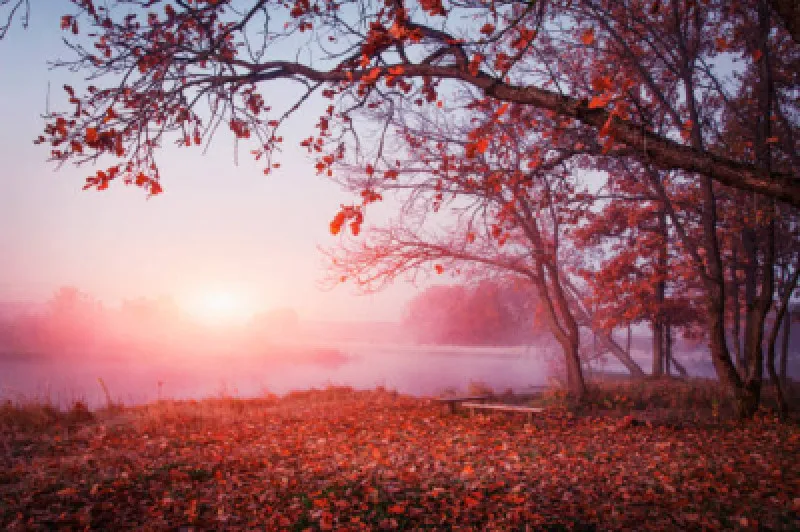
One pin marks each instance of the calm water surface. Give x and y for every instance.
(135, 379)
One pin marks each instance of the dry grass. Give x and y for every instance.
(659, 399)
(42, 414)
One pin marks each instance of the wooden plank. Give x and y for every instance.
(529, 410)
(505, 408)
(451, 402)
(461, 399)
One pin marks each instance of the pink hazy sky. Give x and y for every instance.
(218, 227)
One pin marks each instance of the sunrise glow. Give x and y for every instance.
(218, 307)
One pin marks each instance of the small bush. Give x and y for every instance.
(449, 392)
(29, 415)
(79, 413)
(328, 393)
(479, 388)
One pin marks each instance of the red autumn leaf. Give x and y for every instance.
(397, 509)
(598, 101)
(337, 222)
(602, 83)
(587, 37)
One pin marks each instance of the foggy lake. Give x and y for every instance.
(138, 376)
(416, 370)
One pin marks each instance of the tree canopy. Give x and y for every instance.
(179, 70)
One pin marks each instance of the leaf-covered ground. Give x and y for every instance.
(342, 460)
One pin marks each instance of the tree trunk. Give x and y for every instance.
(576, 386)
(758, 310)
(661, 288)
(667, 347)
(628, 341)
(658, 350)
(782, 319)
(737, 315)
(745, 400)
(549, 281)
(750, 283)
(787, 328)
(783, 407)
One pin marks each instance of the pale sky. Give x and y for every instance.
(217, 227)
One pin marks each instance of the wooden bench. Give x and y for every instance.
(529, 410)
(452, 402)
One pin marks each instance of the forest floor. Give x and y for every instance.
(340, 459)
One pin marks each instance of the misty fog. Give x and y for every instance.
(148, 349)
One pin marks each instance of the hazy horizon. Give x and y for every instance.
(218, 228)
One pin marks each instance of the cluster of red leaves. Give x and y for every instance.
(366, 460)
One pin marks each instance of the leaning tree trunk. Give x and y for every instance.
(606, 340)
(679, 368)
(620, 354)
(670, 344)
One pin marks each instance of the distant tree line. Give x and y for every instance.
(483, 313)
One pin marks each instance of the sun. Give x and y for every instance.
(219, 307)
